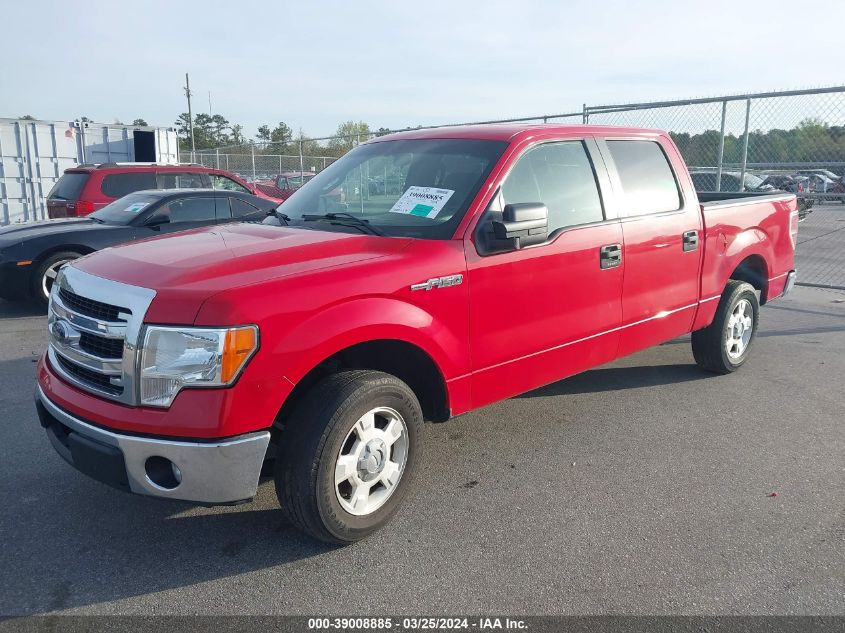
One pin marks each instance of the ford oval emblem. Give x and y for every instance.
(63, 333)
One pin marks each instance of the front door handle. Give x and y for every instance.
(690, 241)
(610, 256)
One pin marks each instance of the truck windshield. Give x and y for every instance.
(125, 209)
(413, 188)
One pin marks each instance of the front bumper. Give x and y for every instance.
(207, 472)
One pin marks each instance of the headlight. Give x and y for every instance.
(174, 358)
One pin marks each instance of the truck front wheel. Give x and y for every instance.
(723, 346)
(347, 454)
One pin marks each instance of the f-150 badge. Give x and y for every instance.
(439, 282)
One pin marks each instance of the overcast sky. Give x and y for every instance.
(393, 64)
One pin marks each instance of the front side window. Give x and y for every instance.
(647, 179)
(227, 184)
(118, 185)
(560, 176)
(435, 181)
(188, 210)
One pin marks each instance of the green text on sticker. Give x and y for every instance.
(422, 210)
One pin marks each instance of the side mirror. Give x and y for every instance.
(523, 224)
(156, 221)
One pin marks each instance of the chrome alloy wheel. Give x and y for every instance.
(371, 461)
(50, 276)
(740, 327)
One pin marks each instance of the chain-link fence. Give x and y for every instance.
(791, 140)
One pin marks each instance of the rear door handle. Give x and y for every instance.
(690, 241)
(610, 256)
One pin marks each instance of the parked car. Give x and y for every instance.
(31, 254)
(824, 172)
(515, 256)
(794, 184)
(84, 189)
(282, 186)
(705, 180)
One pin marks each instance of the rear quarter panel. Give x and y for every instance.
(735, 230)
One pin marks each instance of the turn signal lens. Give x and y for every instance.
(239, 346)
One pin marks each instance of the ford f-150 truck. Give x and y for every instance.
(511, 257)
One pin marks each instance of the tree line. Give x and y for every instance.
(811, 141)
(213, 131)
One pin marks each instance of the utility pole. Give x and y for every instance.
(210, 112)
(190, 116)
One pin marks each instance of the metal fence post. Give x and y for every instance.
(252, 148)
(721, 147)
(217, 157)
(280, 163)
(585, 116)
(745, 146)
(301, 159)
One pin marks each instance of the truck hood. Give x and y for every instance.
(187, 268)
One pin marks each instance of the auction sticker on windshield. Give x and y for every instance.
(424, 202)
(137, 207)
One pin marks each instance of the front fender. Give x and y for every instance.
(368, 319)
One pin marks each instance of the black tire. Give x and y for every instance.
(310, 446)
(38, 280)
(710, 345)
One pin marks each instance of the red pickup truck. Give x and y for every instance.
(505, 258)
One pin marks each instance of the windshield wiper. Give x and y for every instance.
(345, 219)
(91, 217)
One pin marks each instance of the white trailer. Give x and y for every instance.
(34, 154)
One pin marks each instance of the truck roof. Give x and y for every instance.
(510, 131)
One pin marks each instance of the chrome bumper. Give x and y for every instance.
(217, 472)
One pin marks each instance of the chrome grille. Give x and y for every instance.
(93, 340)
(88, 376)
(91, 308)
(95, 345)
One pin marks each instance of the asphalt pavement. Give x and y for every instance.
(641, 487)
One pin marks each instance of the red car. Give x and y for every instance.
(283, 185)
(88, 188)
(509, 257)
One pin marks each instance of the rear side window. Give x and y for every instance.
(227, 184)
(560, 176)
(179, 180)
(68, 187)
(119, 185)
(647, 178)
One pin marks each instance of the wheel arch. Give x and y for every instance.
(754, 270)
(405, 360)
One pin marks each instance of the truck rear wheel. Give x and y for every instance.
(723, 346)
(347, 455)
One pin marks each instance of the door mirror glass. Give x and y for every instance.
(523, 224)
